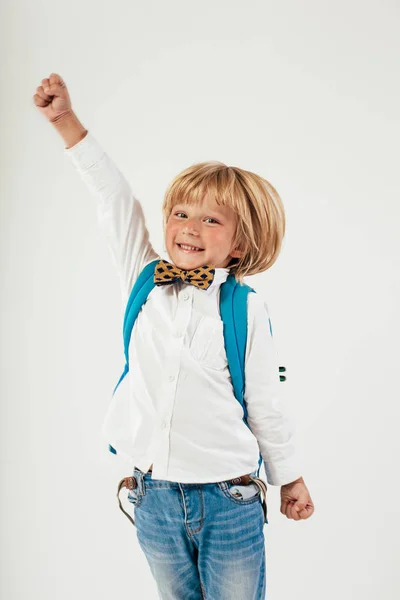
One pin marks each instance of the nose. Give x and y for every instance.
(190, 227)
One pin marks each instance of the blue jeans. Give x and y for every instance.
(201, 541)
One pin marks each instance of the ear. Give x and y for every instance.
(236, 254)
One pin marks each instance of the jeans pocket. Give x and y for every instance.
(241, 494)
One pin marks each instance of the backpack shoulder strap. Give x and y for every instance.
(138, 296)
(233, 309)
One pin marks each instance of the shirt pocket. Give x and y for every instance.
(208, 346)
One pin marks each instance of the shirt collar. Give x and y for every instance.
(221, 275)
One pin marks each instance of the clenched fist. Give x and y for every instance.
(296, 501)
(52, 98)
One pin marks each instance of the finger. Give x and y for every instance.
(56, 79)
(306, 512)
(299, 505)
(40, 92)
(283, 507)
(296, 508)
(309, 510)
(295, 513)
(39, 101)
(53, 90)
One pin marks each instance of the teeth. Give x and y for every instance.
(188, 247)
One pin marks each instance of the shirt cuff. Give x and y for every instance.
(85, 153)
(284, 473)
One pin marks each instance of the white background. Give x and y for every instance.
(307, 95)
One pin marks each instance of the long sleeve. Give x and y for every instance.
(267, 418)
(120, 214)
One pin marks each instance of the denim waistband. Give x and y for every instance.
(141, 480)
(149, 479)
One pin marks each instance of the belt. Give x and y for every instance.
(130, 483)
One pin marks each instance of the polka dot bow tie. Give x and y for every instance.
(201, 277)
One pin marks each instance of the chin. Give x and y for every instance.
(188, 265)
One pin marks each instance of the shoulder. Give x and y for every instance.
(258, 315)
(145, 270)
(256, 305)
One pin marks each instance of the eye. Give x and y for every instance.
(178, 213)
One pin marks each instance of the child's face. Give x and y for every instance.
(207, 226)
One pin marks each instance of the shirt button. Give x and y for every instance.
(185, 296)
(164, 425)
(179, 334)
(171, 377)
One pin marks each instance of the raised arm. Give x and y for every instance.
(120, 214)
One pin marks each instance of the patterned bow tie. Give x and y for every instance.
(201, 277)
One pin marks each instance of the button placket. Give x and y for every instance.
(172, 365)
(182, 315)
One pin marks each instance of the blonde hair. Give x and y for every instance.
(261, 219)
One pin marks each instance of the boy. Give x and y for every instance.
(195, 494)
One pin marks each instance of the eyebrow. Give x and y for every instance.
(182, 207)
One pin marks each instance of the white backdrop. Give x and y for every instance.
(307, 95)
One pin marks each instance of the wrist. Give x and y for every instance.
(299, 480)
(70, 128)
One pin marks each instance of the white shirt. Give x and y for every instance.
(176, 409)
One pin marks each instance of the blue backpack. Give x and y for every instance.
(233, 309)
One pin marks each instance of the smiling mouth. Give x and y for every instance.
(187, 248)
